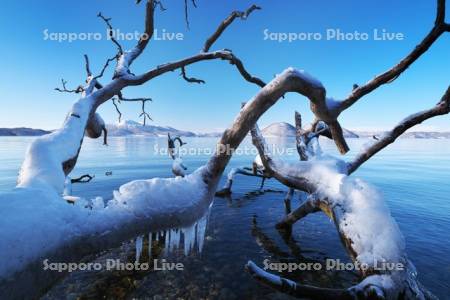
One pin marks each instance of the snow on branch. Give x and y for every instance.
(276, 168)
(50, 228)
(289, 80)
(125, 59)
(311, 205)
(306, 139)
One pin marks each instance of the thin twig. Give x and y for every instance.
(111, 32)
(64, 89)
(243, 15)
(117, 108)
(83, 179)
(190, 79)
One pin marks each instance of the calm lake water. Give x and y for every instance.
(413, 176)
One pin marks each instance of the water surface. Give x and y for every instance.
(412, 175)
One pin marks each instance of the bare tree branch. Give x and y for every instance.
(64, 89)
(294, 289)
(311, 205)
(440, 14)
(246, 171)
(190, 79)
(105, 66)
(289, 81)
(83, 179)
(149, 25)
(439, 28)
(186, 14)
(111, 32)
(225, 23)
(159, 3)
(169, 67)
(273, 169)
(117, 109)
(125, 59)
(441, 108)
(144, 113)
(88, 68)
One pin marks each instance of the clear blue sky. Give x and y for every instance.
(32, 67)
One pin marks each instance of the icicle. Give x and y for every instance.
(174, 239)
(189, 238)
(139, 241)
(67, 187)
(171, 241)
(178, 238)
(201, 230)
(150, 246)
(167, 242)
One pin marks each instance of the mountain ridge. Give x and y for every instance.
(278, 129)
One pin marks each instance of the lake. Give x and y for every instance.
(413, 175)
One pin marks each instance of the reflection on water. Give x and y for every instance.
(236, 230)
(412, 175)
(120, 270)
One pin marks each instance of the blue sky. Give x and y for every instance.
(32, 67)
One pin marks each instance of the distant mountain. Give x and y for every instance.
(427, 135)
(280, 129)
(409, 135)
(127, 127)
(283, 129)
(22, 131)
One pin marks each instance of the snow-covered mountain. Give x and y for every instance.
(283, 129)
(22, 131)
(409, 135)
(280, 129)
(128, 127)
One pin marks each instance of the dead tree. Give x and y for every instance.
(306, 143)
(83, 120)
(257, 170)
(46, 166)
(375, 284)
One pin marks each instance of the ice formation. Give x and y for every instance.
(36, 220)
